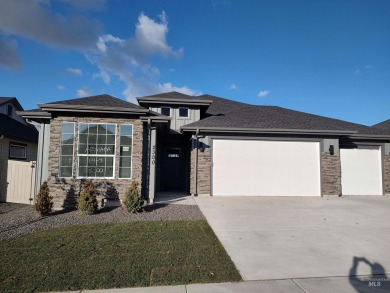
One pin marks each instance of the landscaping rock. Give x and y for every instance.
(18, 219)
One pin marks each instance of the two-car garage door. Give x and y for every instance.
(265, 168)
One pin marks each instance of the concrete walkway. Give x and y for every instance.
(380, 284)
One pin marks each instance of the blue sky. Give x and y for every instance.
(329, 58)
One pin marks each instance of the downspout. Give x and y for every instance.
(196, 162)
(149, 158)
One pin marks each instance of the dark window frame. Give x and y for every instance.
(19, 145)
(9, 110)
(170, 111)
(188, 112)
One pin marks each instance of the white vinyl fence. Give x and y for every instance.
(17, 181)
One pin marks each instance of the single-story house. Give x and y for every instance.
(205, 145)
(18, 142)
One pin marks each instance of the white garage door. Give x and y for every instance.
(269, 168)
(361, 171)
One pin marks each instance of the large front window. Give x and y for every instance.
(96, 150)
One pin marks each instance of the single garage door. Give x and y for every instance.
(265, 168)
(361, 171)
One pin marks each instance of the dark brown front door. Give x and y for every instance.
(172, 172)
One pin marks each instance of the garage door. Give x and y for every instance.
(265, 168)
(361, 171)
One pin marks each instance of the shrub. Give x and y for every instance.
(43, 204)
(87, 202)
(133, 201)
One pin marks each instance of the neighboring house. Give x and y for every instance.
(18, 139)
(205, 145)
(383, 125)
(18, 142)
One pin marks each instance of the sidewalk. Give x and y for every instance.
(305, 285)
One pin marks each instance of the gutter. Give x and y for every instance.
(267, 130)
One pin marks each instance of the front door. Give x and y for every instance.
(172, 175)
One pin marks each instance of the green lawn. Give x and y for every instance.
(114, 256)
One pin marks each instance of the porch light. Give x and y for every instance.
(331, 149)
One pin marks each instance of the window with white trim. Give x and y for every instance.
(17, 151)
(96, 150)
(66, 149)
(126, 145)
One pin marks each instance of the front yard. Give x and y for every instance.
(115, 255)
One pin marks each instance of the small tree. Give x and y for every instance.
(133, 201)
(87, 202)
(43, 204)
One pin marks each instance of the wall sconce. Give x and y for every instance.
(201, 147)
(331, 149)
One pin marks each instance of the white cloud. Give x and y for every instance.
(233, 87)
(103, 75)
(264, 93)
(357, 72)
(370, 68)
(9, 56)
(74, 71)
(83, 92)
(101, 44)
(34, 20)
(169, 87)
(60, 87)
(129, 58)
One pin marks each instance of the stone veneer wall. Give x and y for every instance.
(204, 168)
(65, 190)
(386, 174)
(330, 174)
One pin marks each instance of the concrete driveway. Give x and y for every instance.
(295, 237)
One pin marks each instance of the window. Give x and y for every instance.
(66, 149)
(96, 150)
(17, 151)
(126, 144)
(166, 111)
(9, 110)
(183, 112)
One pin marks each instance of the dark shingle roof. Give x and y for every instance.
(171, 95)
(96, 101)
(277, 118)
(14, 100)
(11, 128)
(383, 125)
(221, 105)
(5, 99)
(173, 98)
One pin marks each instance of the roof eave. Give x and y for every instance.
(370, 136)
(266, 130)
(32, 115)
(83, 108)
(155, 118)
